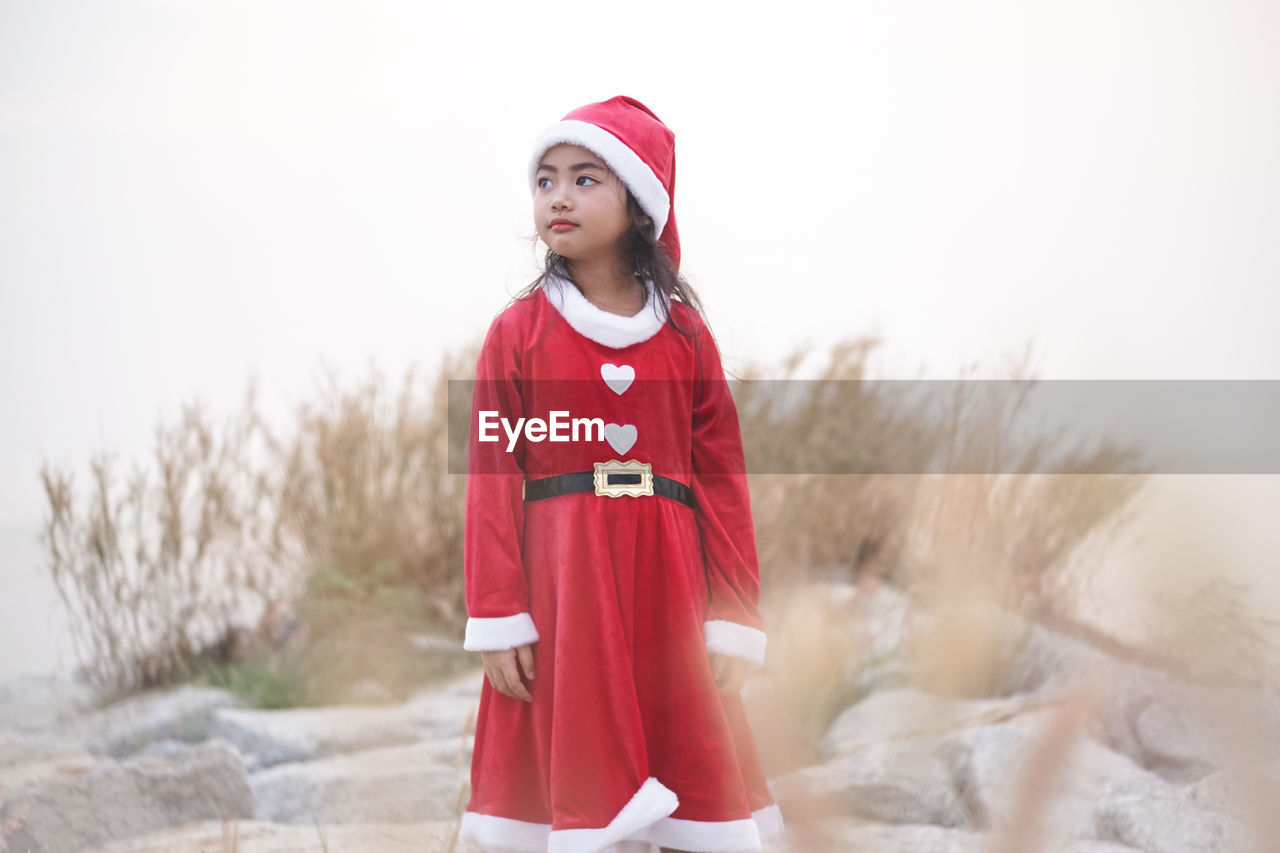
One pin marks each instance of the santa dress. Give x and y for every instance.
(626, 741)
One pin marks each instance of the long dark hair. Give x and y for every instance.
(647, 257)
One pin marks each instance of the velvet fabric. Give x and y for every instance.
(625, 711)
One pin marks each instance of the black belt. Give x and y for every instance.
(584, 481)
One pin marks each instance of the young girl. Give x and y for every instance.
(611, 577)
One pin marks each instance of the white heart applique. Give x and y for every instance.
(620, 436)
(618, 377)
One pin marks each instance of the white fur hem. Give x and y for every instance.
(506, 632)
(612, 330)
(652, 802)
(768, 821)
(694, 835)
(703, 835)
(504, 833)
(625, 163)
(739, 641)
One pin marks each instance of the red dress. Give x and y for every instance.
(626, 740)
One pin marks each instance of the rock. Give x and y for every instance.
(1167, 821)
(855, 834)
(850, 833)
(1084, 845)
(67, 709)
(1248, 794)
(882, 613)
(904, 769)
(253, 836)
(182, 713)
(393, 784)
(27, 759)
(869, 623)
(1181, 730)
(908, 712)
(1042, 660)
(1174, 743)
(988, 764)
(119, 799)
(886, 782)
(31, 747)
(162, 749)
(269, 737)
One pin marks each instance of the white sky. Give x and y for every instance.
(193, 192)
(190, 193)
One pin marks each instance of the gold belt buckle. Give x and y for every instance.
(616, 490)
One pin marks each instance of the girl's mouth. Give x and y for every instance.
(562, 226)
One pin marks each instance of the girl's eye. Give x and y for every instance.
(586, 178)
(542, 183)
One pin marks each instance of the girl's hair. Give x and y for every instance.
(647, 257)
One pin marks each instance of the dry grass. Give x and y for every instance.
(155, 572)
(358, 506)
(232, 535)
(885, 511)
(355, 514)
(364, 488)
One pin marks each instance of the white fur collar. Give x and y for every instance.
(612, 330)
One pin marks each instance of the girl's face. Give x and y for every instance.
(579, 206)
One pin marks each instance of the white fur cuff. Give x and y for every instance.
(506, 632)
(739, 641)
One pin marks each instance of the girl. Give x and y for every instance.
(611, 577)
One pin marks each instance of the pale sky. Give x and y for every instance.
(191, 192)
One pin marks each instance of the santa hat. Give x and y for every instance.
(636, 145)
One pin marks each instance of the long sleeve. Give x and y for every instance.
(733, 623)
(497, 592)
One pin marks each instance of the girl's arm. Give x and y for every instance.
(733, 624)
(496, 589)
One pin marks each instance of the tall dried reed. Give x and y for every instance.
(352, 514)
(364, 488)
(156, 571)
(235, 532)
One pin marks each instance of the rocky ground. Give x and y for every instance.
(187, 770)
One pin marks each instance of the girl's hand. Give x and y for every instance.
(503, 673)
(730, 672)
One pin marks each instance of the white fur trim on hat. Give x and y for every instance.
(626, 164)
(603, 327)
(739, 641)
(504, 632)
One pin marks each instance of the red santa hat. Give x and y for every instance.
(636, 145)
